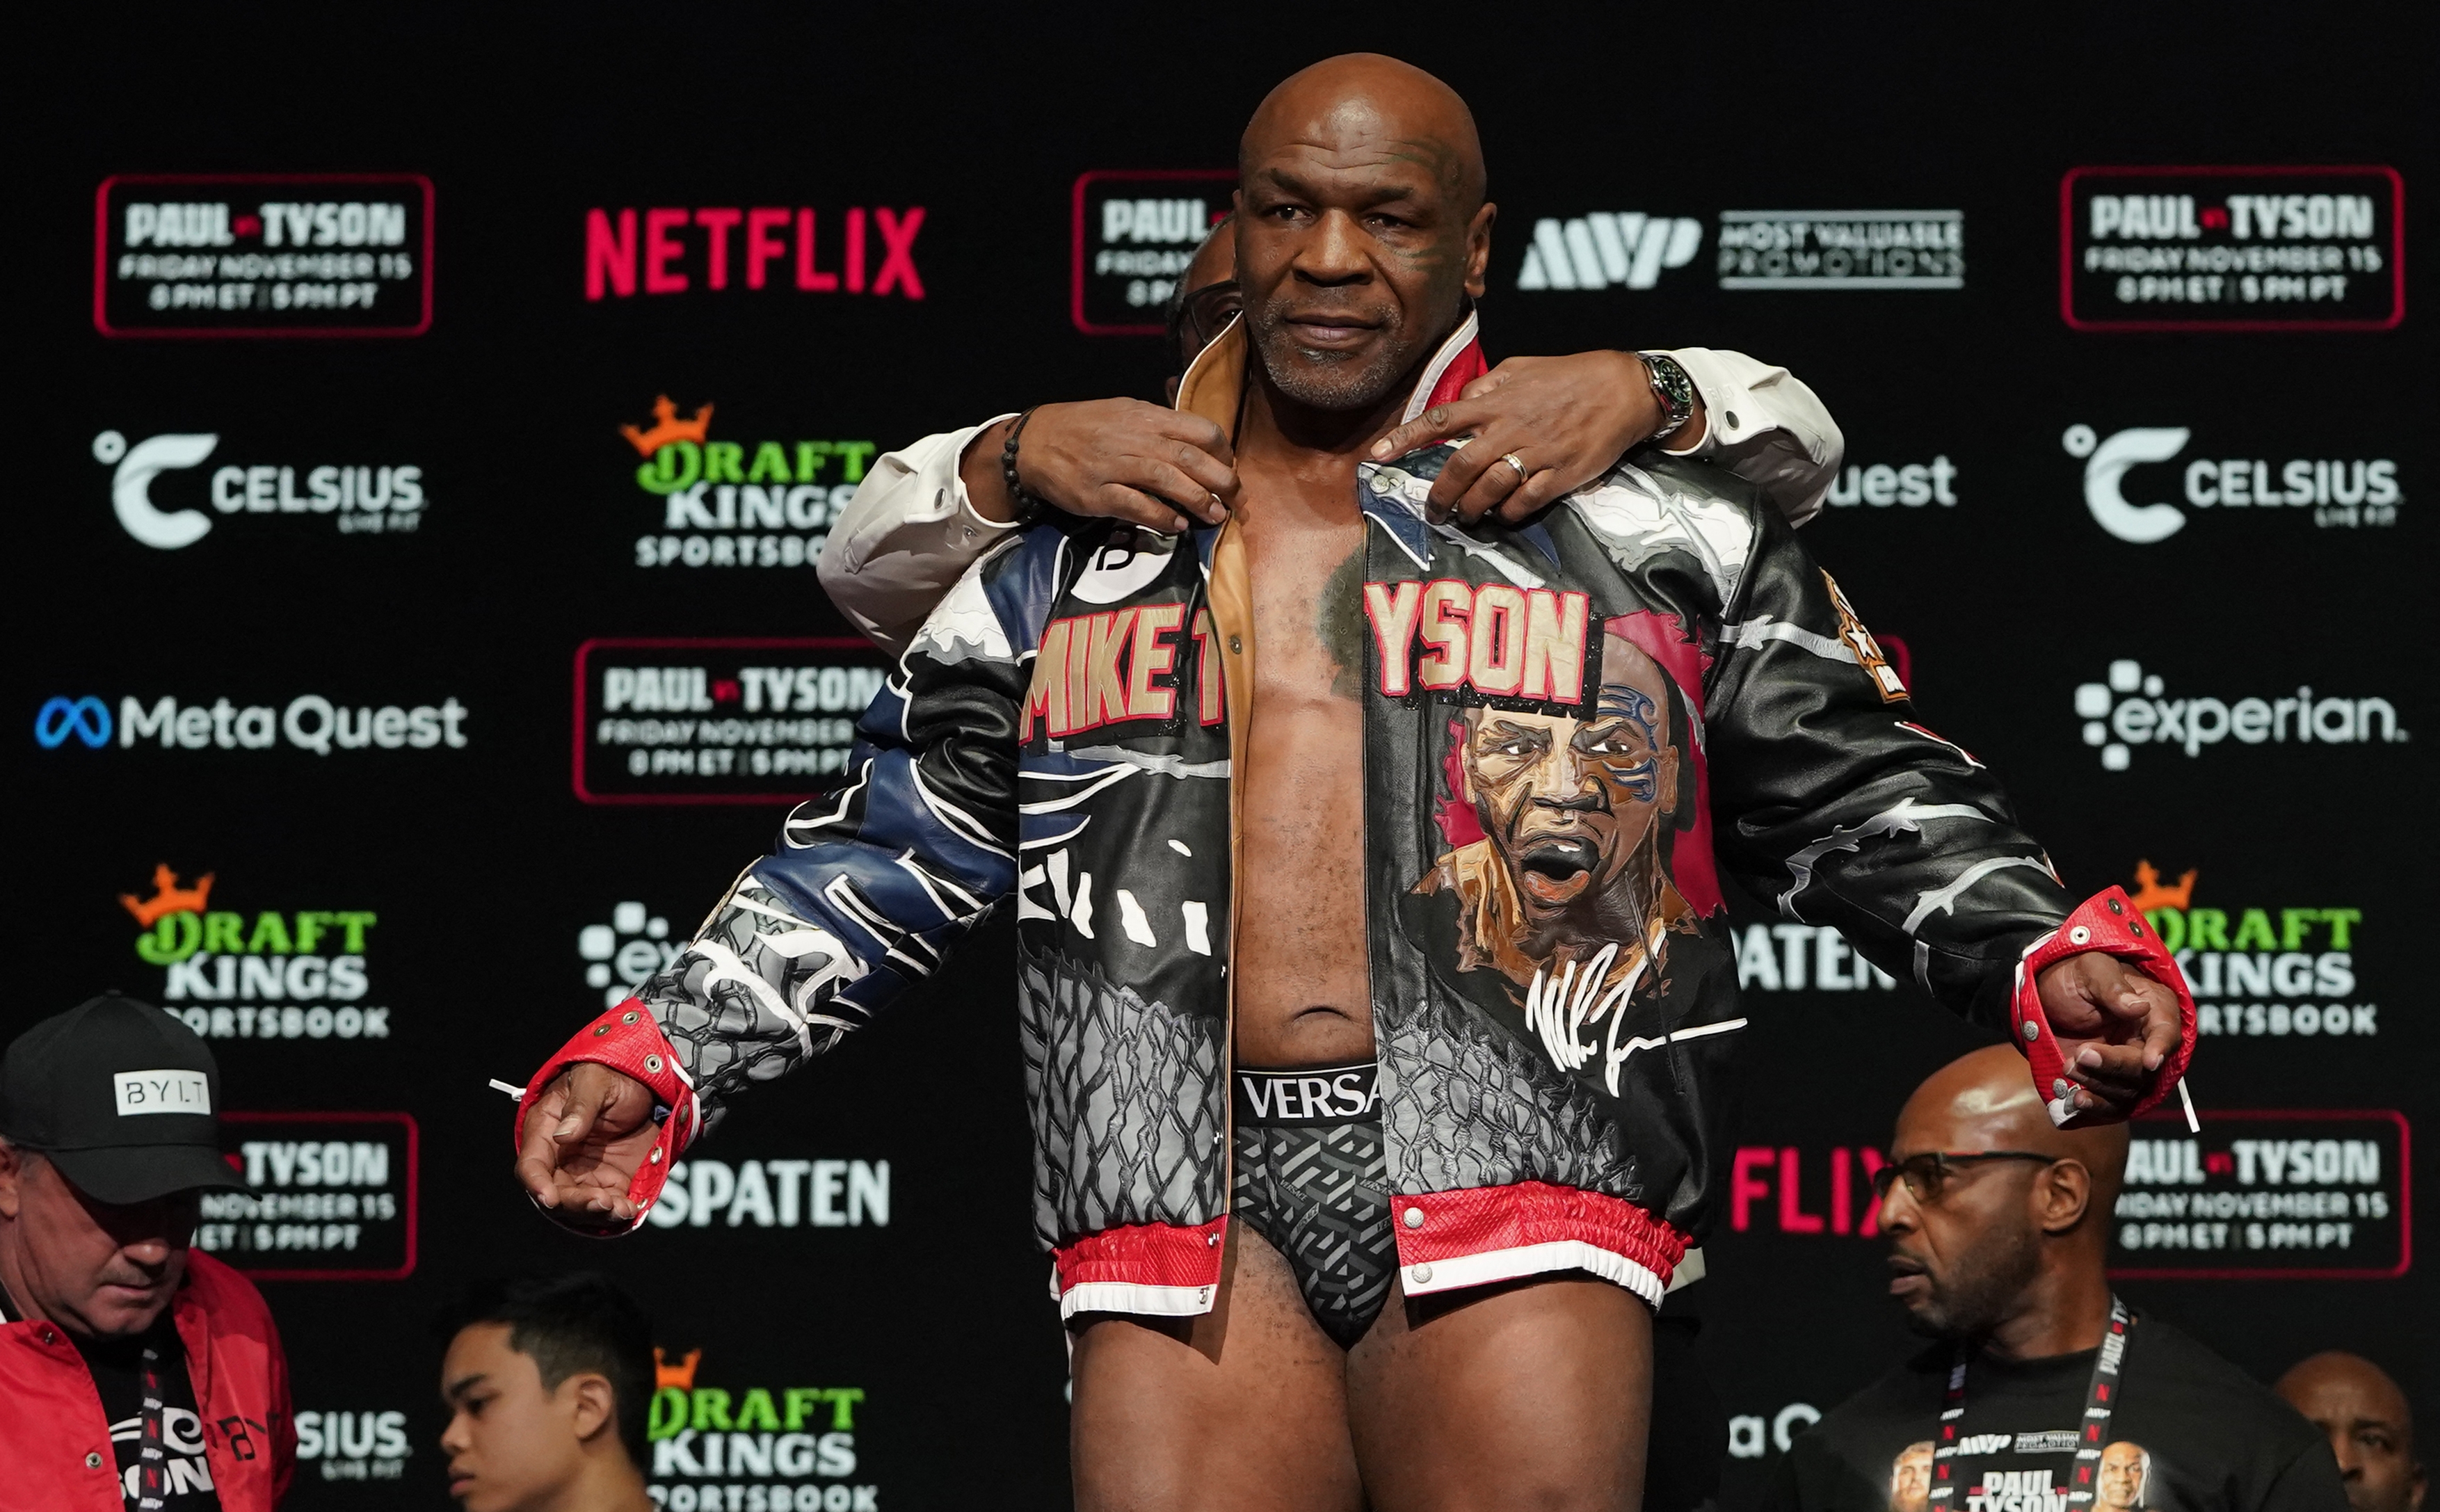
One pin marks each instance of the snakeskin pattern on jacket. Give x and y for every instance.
(751, 999)
(1126, 1098)
(1466, 1105)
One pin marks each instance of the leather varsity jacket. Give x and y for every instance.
(1554, 1005)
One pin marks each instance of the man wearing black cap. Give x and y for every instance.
(135, 1373)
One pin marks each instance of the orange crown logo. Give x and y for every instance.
(667, 427)
(680, 1375)
(2150, 894)
(167, 896)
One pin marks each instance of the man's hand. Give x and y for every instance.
(2113, 1025)
(1566, 419)
(584, 1137)
(1120, 458)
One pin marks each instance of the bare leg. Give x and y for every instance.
(1535, 1394)
(1245, 1406)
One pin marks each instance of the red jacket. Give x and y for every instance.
(55, 1439)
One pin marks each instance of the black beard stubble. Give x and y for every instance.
(1323, 381)
(1970, 1301)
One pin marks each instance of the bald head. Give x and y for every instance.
(2370, 1426)
(1366, 103)
(1985, 1100)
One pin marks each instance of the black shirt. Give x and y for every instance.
(117, 1367)
(2191, 1432)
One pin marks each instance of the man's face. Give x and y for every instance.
(1958, 1263)
(2122, 1475)
(2370, 1428)
(1566, 801)
(1910, 1479)
(97, 1270)
(1355, 245)
(510, 1444)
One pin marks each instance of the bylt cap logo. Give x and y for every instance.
(161, 1092)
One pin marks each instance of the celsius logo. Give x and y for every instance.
(728, 503)
(883, 263)
(2128, 711)
(1602, 250)
(2339, 492)
(363, 500)
(625, 953)
(311, 721)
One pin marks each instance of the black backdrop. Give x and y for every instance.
(481, 870)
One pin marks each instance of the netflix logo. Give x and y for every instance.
(664, 250)
(1783, 1189)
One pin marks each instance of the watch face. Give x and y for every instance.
(1676, 391)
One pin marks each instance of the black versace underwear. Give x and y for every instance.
(1310, 1179)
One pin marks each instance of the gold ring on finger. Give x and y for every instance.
(1515, 461)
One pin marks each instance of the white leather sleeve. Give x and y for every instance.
(905, 538)
(1765, 425)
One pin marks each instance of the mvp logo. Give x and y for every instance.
(2257, 972)
(1602, 251)
(275, 976)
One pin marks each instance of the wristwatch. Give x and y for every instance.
(1675, 390)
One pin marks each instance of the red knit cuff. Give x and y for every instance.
(628, 1040)
(2109, 922)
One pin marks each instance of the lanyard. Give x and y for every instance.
(1950, 1470)
(155, 1460)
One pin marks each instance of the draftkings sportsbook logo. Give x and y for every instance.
(168, 513)
(269, 974)
(2283, 973)
(2132, 708)
(2340, 492)
(786, 1448)
(738, 503)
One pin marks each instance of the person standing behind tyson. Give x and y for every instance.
(135, 1372)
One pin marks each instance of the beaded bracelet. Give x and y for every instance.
(1027, 505)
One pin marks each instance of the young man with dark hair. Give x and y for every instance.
(547, 1381)
(2044, 1390)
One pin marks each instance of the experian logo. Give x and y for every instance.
(2128, 711)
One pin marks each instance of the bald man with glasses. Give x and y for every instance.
(2041, 1383)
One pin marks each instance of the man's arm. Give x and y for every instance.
(1836, 804)
(1566, 420)
(922, 516)
(1765, 427)
(866, 892)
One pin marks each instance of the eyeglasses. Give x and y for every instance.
(1926, 1176)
